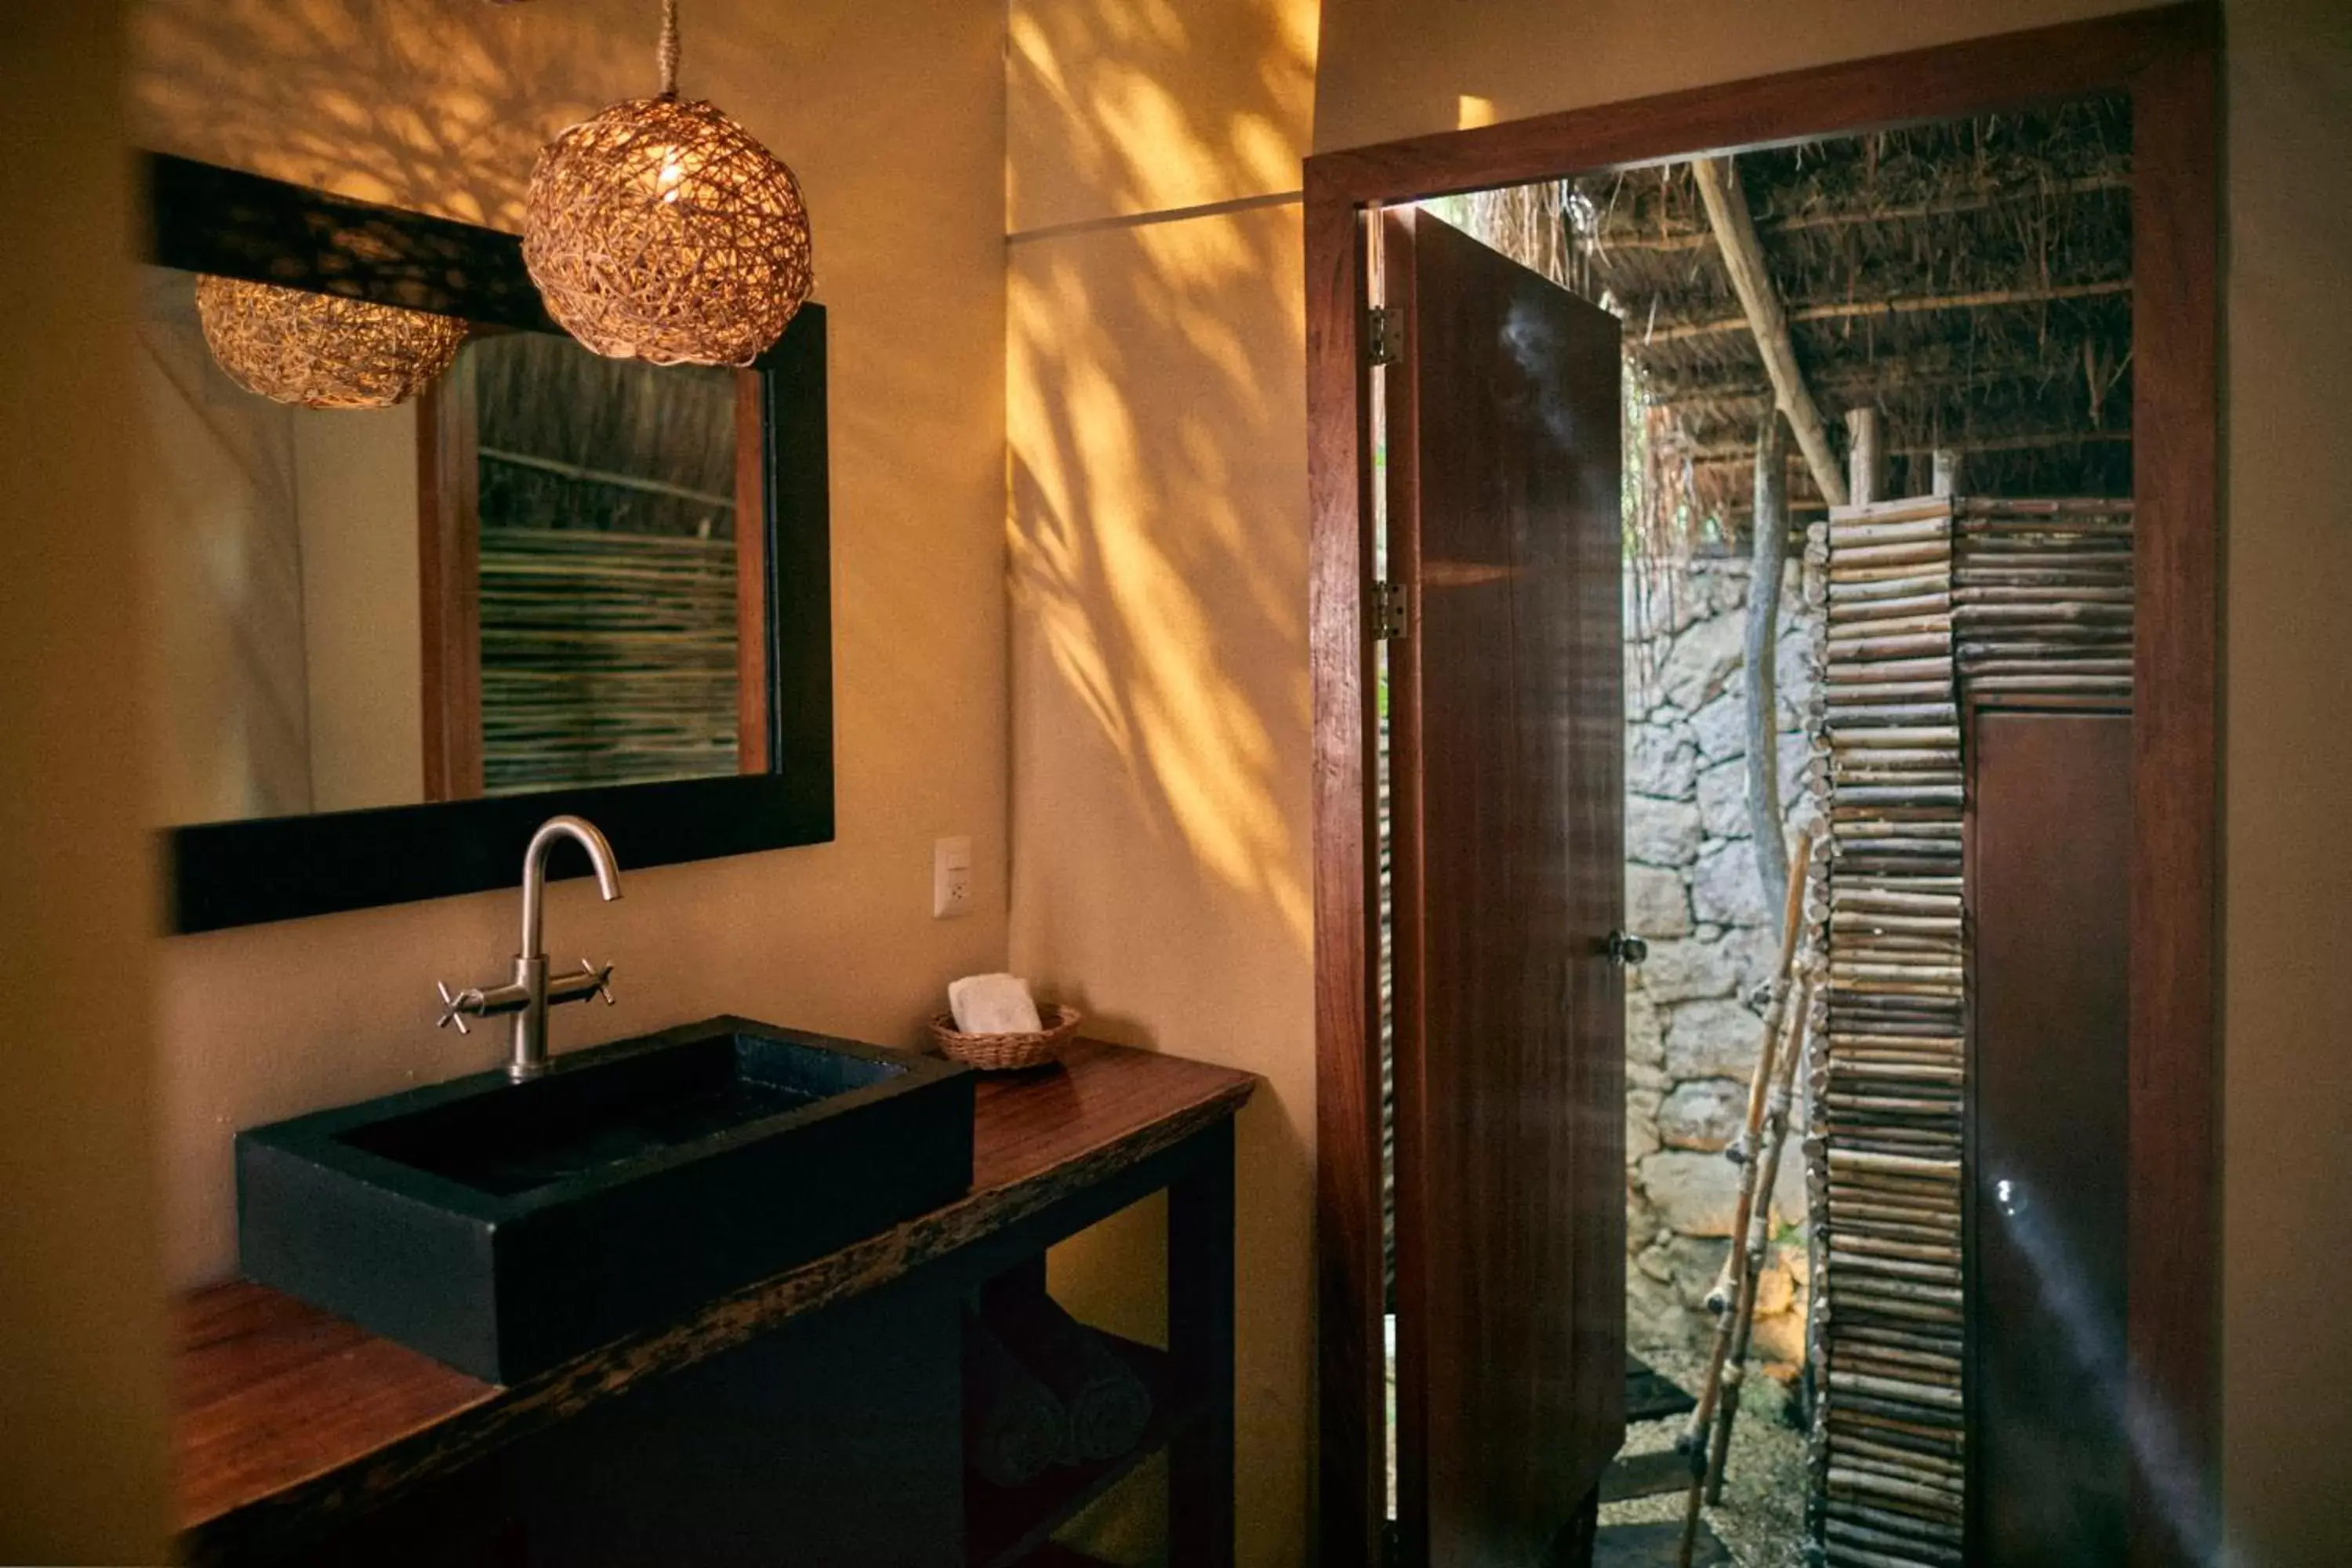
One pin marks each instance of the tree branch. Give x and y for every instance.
(1762, 647)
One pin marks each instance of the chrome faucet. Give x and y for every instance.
(530, 993)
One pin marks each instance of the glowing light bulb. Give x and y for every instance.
(669, 176)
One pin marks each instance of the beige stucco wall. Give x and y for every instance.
(355, 498)
(82, 1469)
(892, 113)
(286, 645)
(1160, 693)
(2287, 755)
(1392, 67)
(222, 534)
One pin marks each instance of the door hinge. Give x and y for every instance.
(1384, 334)
(1385, 605)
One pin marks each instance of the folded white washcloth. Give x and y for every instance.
(993, 1005)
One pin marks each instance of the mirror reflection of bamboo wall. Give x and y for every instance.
(608, 567)
(1928, 602)
(607, 658)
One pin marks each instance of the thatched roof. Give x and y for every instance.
(1970, 279)
(570, 439)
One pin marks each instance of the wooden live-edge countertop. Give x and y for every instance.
(285, 1416)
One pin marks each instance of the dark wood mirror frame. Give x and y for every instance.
(224, 221)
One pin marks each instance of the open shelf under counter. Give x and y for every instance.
(1003, 1526)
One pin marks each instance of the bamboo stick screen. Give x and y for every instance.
(608, 564)
(607, 658)
(2043, 598)
(1927, 603)
(1888, 1069)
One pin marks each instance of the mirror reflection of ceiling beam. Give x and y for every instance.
(1743, 257)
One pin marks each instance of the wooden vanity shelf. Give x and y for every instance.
(815, 1416)
(1003, 1527)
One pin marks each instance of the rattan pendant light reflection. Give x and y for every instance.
(322, 351)
(660, 230)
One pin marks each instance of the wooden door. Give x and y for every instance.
(1508, 712)
(2049, 829)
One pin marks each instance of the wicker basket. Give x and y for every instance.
(1007, 1053)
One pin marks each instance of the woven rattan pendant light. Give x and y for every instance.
(322, 351)
(660, 230)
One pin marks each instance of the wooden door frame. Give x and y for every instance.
(449, 582)
(2167, 61)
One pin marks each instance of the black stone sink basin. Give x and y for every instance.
(505, 1228)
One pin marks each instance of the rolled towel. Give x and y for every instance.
(1013, 1427)
(1108, 1404)
(993, 1005)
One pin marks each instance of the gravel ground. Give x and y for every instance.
(1761, 1519)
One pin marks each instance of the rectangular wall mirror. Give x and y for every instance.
(394, 640)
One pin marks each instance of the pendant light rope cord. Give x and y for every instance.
(668, 50)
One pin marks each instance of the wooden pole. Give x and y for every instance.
(1738, 1280)
(1866, 459)
(1759, 300)
(1909, 305)
(1741, 1151)
(1768, 552)
(1751, 1125)
(1754, 1244)
(1947, 471)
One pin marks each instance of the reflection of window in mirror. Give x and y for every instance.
(591, 602)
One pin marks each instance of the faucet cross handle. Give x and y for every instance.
(582, 984)
(456, 1005)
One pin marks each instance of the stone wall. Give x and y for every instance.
(1691, 889)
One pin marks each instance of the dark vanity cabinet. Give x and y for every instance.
(816, 1418)
(835, 1435)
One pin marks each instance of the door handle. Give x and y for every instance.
(1627, 948)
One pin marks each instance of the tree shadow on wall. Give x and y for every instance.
(1157, 543)
(1156, 417)
(1158, 546)
(430, 106)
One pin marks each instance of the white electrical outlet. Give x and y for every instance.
(950, 879)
